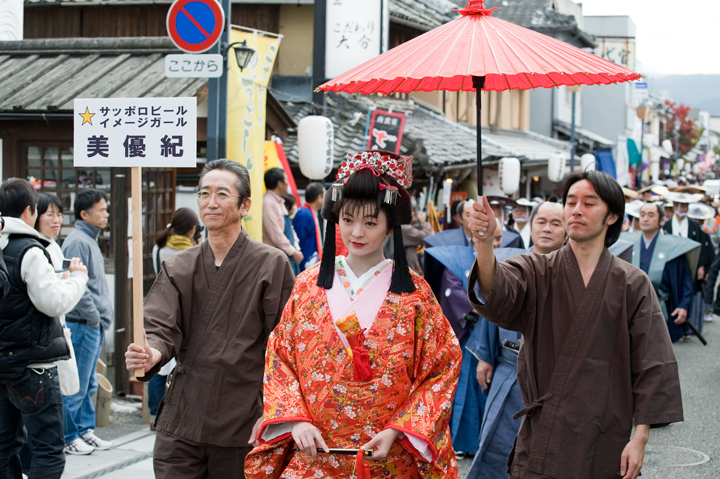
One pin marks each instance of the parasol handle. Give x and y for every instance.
(479, 85)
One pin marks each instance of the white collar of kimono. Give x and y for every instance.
(680, 228)
(357, 283)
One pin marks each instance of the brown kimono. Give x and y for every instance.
(216, 322)
(593, 360)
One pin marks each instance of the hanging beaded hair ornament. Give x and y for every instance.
(379, 164)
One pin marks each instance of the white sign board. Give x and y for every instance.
(124, 132)
(355, 33)
(207, 65)
(618, 51)
(641, 92)
(11, 20)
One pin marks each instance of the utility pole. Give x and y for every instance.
(318, 76)
(217, 95)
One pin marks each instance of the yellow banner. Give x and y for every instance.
(247, 91)
(272, 160)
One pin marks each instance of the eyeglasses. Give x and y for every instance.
(54, 215)
(221, 196)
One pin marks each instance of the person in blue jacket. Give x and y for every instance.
(307, 227)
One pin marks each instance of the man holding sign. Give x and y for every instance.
(212, 307)
(596, 354)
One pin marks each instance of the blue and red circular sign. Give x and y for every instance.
(195, 25)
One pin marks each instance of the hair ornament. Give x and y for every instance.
(400, 169)
(337, 190)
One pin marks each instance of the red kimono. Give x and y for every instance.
(415, 361)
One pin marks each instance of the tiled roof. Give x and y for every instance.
(423, 14)
(525, 145)
(435, 142)
(585, 136)
(529, 13)
(46, 75)
(538, 15)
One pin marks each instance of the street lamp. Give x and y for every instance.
(243, 53)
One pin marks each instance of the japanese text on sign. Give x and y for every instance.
(355, 33)
(385, 130)
(194, 66)
(123, 132)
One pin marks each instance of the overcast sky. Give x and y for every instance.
(673, 36)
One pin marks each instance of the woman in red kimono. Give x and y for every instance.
(363, 357)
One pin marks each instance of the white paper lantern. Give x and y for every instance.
(509, 175)
(556, 167)
(680, 164)
(587, 162)
(667, 146)
(316, 142)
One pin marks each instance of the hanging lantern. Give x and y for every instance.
(667, 146)
(587, 162)
(316, 142)
(556, 167)
(680, 164)
(509, 175)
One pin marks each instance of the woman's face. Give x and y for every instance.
(362, 233)
(50, 222)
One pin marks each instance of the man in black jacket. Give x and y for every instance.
(682, 225)
(31, 338)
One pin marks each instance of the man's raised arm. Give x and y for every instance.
(482, 224)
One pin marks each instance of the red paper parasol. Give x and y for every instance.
(479, 51)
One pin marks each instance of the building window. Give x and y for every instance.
(50, 170)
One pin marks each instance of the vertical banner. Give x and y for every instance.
(275, 158)
(247, 92)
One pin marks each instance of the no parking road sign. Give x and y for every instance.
(195, 25)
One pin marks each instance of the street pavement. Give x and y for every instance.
(687, 450)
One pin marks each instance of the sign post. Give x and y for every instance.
(135, 132)
(138, 317)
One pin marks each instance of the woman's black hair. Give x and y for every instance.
(361, 191)
(182, 223)
(609, 192)
(44, 202)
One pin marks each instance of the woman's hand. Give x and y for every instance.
(308, 438)
(382, 441)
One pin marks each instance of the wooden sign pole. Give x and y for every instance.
(138, 326)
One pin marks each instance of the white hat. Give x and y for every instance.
(701, 211)
(526, 202)
(683, 197)
(633, 208)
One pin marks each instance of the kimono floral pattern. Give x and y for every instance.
(415, 360)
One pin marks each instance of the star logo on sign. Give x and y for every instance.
(87, 116)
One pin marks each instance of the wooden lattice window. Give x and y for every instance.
(50, 169)
(158, 208)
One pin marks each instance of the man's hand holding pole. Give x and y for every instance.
(482, 224)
